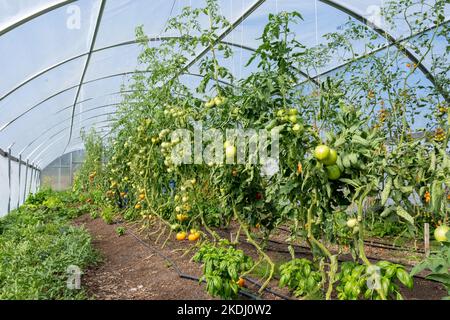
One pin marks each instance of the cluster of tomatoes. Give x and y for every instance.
(182, 210)
(439, 135)
(290, 116)
(141, 198)
(175, 112)
(92, 176)
(328, 157)
(182, 200)
(217, 101)
(193, 236)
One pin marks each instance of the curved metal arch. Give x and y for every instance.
(43, 154)
(79, 56)
(86, 66)
(39, 136)
(52, 137)
(76, 86)
(395, 42)
(248, 12)
(227, 31)
(83, 112)
(38, 159)
(34, 15)
(65, 120)
(90, 118)
(381, 48)
(63, 91)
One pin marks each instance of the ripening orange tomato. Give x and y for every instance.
(299, 168)
(194, 236)
(181, 236)
(241, 282)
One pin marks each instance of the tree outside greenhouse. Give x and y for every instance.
(254, 150)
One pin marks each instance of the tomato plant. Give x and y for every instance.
(351, 160)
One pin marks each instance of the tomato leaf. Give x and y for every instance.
(405, 215)
(386, 191)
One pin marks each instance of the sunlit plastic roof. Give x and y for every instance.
(63, 62)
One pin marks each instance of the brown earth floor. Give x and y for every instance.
(130, 270)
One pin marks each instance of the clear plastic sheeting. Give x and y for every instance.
(60, 173)
(64, 63)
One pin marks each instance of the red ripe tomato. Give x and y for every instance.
(258, 196)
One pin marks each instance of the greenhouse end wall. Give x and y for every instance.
(17, 181)
(60, 173)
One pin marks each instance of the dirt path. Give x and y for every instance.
(130, 271)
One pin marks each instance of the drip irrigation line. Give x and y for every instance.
(245, 293)
(269, 290)
(183, 275)
(306, 250)
(407, 266)
(377, 244)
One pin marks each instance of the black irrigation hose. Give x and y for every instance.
(306, 250)
(256, 283)
(182, 275)
(408, 267)
(377, 244)
(244, 293)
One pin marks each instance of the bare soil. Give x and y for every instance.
(130, 270)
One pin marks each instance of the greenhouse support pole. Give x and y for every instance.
(35, 180)
(25, 184)
(71, 169)
(31, 180)
(9, 180)
(36, 185)
(20, 178)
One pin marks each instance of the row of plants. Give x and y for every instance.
(40, 250)
(352, 156)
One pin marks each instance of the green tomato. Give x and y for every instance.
(297, 128)
(230, 151)
(293, 112)
(321, 152)
(440, 234)
(293, 118)
(227, 144)
(219, 101)
(351, 223)
(331, 159)
(333, 172)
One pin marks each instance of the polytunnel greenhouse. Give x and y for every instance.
(224, 149)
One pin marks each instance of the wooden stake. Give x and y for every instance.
(426, 235)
